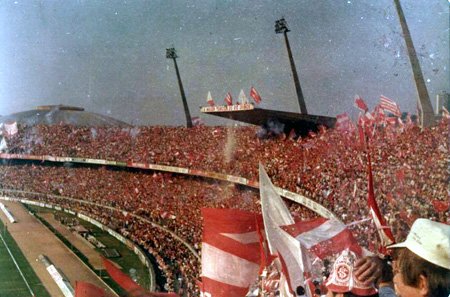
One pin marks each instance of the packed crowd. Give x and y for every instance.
(410, 172)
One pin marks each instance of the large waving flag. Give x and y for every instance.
(255, 95)
(324, 237)
(228, 99)
(384, 231)
(230, 252)
(210, 100)
(294, 261)
(389, 105)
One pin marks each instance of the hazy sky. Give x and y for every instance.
(109, 56)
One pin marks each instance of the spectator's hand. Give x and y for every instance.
(368, 270)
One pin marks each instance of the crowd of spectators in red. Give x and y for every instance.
(410, 168)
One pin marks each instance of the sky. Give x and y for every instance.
(108, 56)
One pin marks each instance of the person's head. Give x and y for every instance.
(422, 261)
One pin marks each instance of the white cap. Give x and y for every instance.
(430, 241)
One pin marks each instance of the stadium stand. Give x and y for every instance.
(410, 171)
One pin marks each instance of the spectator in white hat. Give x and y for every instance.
(422, 261)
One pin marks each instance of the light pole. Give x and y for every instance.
(281, 27)
(171, 54)
(427, 117)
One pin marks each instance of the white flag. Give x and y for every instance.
(242, 97)
(290, 251)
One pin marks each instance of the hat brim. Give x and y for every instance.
(397, 245)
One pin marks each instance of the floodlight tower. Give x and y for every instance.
(281, 27)
(171, 54)
(426, 114)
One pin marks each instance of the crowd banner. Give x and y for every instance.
(168, 168)
(7, 213)
(237, 179)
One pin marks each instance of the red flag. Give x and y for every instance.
(228, 99)
(389, 105)
(440, 206)
(255, 95)
(359, 103)
(132, 288)
(324, 237)
(400, 175)
(121, 278)
(384, 231)
(83, 289)
(292, 134)
(230, 251)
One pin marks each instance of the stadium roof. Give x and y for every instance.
(247, 113)
(55, 114)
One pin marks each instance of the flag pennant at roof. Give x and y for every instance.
(210, 100)
(230, 251)
(228, 99)
(255, 95)
(389, 105)
(243, 99)
(293, 258)
(384, 231)
(324, 237)
(359, 103)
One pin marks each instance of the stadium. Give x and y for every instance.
(108, 189)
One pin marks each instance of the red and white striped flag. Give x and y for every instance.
(389, 105)
(210, 100)
(255, 95)
(324, 237)
(359, 103)
(230, 252)
(384, 231)
(228, 99)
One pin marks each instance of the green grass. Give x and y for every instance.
(11, 282)
(127, 260)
